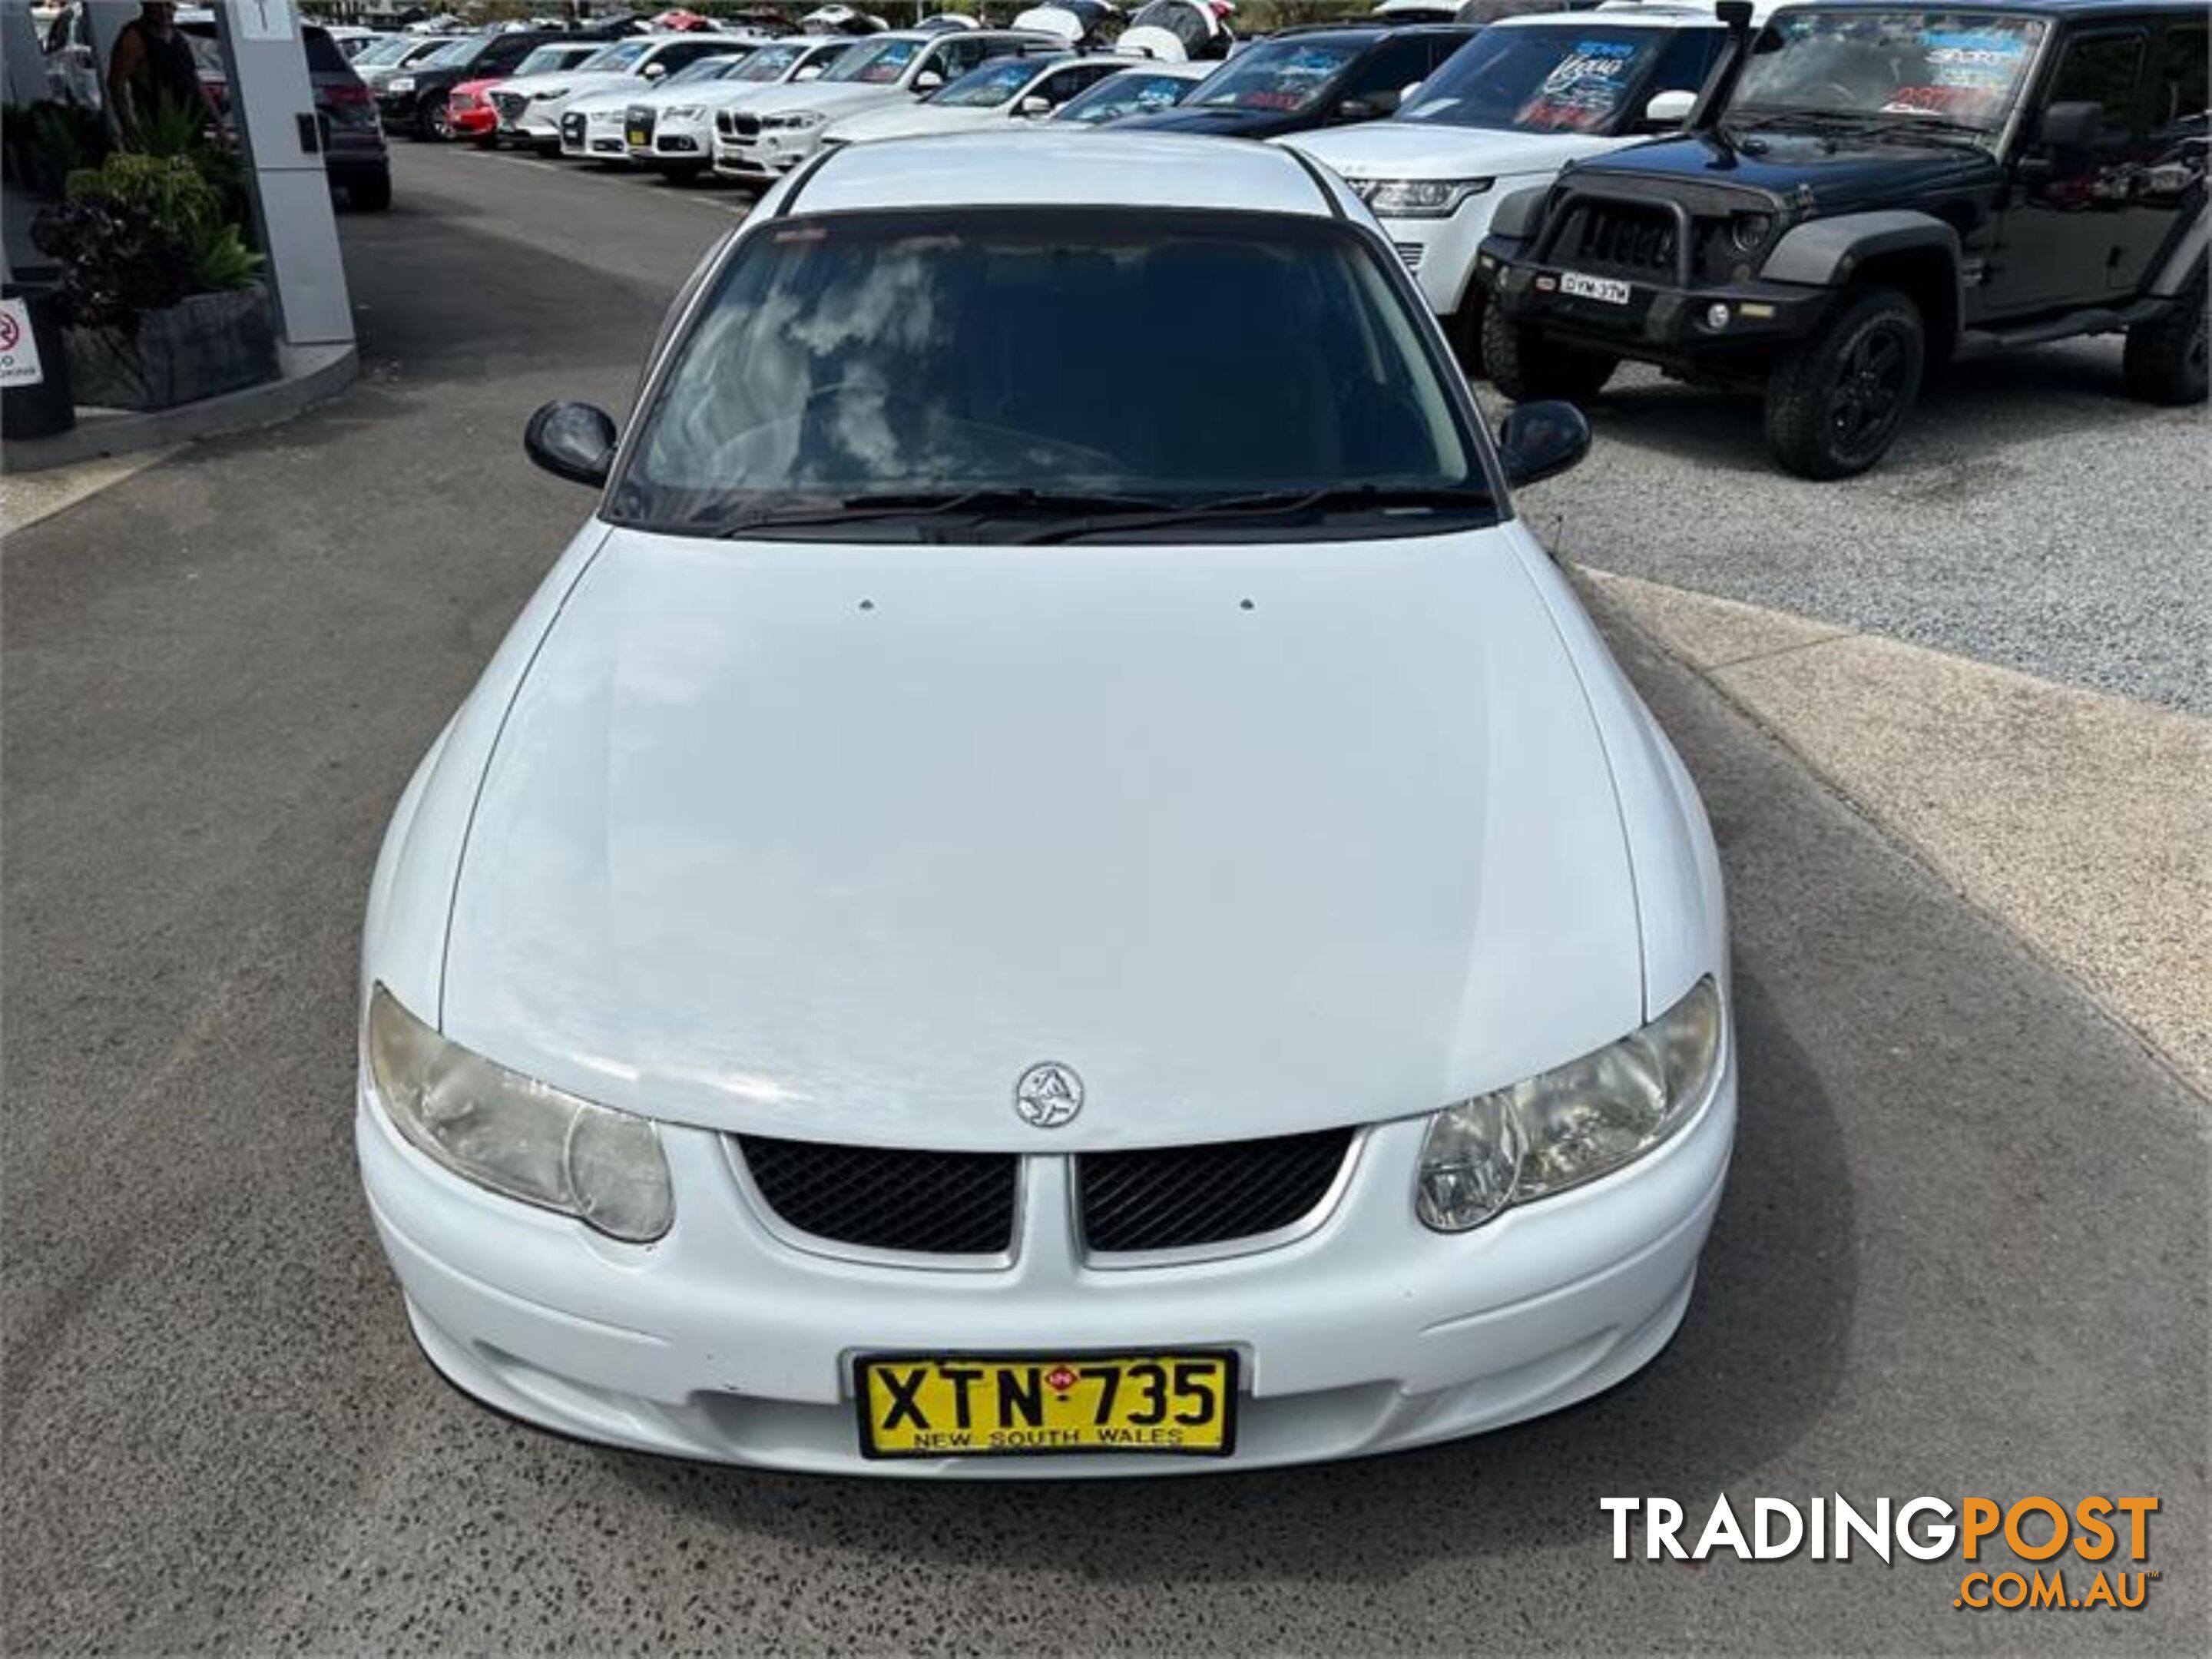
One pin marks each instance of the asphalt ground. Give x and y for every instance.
(1964, 1251)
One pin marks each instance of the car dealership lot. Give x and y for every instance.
(1964, 1250)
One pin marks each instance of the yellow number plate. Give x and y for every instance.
(1182, 1403)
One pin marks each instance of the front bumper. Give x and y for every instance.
(768, 154)
(1440, 253)
(1367, 1334)
(690, 142)
(595, 138)
(472, 120)
(1660, 323)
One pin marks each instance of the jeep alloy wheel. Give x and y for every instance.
(1834, 404)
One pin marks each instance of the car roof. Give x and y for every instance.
(1053, 169)
(2016, 8)
(1656, 15)
(1365, 34)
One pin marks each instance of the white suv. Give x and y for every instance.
(680, 136)
(1506, 112)
(767, 135)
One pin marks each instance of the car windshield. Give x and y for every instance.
(876, 62)
(1540, 80)
(456, 54)
(543, 61)
(1276, 74)
(618, 57)
(844, 365)
(988, 87)
(707, 69)
(768, 63)
(1132, 92)
(1961, 69)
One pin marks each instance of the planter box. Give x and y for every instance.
(204, 345)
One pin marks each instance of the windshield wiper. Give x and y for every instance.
(996, 499)
(1334, 498)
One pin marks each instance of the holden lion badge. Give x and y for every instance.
(1049, 1095)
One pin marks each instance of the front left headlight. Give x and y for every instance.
(400, 83)
(801, 121)
(683, 112)
(1573, 1123)
(519, 1137)
(1417, 199)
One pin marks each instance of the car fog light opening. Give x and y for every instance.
(1716, 317)
(515, 1135)
(1571, 1124)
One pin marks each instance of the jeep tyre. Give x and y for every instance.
(1835, 401)
(2165, 360)
(1525, 368)
(1463, 329)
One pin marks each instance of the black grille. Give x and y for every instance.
(745, 126)
(937, 1203)
(571, 129)
(510, 105)
(1610, 234)
(642, 118)
(1185, 1195)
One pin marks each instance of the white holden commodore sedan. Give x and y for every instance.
(1032, 900)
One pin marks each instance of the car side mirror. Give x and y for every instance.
(1360, 109)
(1540, 439)
(811, 72)
(654, 71)
(1669, 109)
(572, 440)
(1036, 104)
(2071, 126)
(1405, 94)
(928, 80)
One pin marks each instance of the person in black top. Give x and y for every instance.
(152, 64)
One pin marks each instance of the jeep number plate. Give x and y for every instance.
(1610, 290)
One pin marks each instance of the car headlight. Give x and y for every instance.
(1571, 1124)
(683, 112)
(517, 1136)
(400, 83)
(804, 120)
(1417, 199)
(550, 96)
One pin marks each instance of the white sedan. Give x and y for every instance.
(1004, 90)
(1032, 901)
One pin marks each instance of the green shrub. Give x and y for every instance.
(175, 195)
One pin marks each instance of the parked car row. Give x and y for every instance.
(1822, 206)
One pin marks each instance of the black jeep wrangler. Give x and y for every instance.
(1869, 189)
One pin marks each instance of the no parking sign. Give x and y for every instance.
(18, 347)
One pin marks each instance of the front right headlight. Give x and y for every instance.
(1417, 199)
(515, 1135)
(400, 83)
(1573, 1123)
(683, 112)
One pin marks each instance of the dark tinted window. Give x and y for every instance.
(1392, 67)
(1686, 61)
(2102, 69)
(2177, 94)
(866, 354)
(324, 57)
